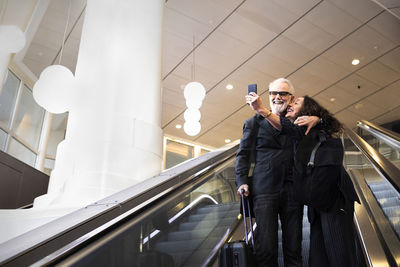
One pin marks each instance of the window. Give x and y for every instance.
(21, 152)
(8, 97)
(29, 119)
(177, 153)
(203, 151)
(57, 133)
(3, 139)
(48, 166)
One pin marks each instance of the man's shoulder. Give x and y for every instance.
(252, 120)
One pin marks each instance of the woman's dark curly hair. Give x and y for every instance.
(312, 108)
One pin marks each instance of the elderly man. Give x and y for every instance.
(272, 181)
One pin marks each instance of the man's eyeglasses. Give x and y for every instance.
(274, 93)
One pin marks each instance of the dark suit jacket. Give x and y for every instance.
(273, 157)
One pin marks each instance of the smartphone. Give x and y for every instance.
(252, 88)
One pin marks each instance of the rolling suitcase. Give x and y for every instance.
(239, 253)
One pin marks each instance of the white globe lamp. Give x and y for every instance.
(54, 90)
(192, 128)
(12, 39)
(194, 90)
(192, 114)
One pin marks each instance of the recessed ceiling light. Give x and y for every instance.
(178, 126)
(332, 99)
(229, 86)
(355, 61)
(227, 140)
(358, 106)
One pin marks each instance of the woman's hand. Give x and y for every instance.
(244, 187)
(309, 121)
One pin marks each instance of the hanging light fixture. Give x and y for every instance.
(54, 90)
(194, 93)
(12, 39)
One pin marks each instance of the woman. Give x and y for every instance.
(332, 238)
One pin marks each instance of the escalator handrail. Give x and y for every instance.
(386, 135)
(384, 166)
(40, 242)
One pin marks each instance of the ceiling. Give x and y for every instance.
(240, 42)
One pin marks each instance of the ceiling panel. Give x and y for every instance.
(358, 86)
(169, 112)
(325, 69)
(306, 83)
(267, 14)
(234, 50)
(379, 73)
(392, 59)
(175, 83)
(332, 19)
(206, 11)
(266, 62)
(388, 26)
(348, 118)
(365, 109)
(255, 41)
(386, 98)
(388, 116)
(237, 27)
(364, 44)
(310, 36)
(331, 106)
(290, 51)
(297, 7)
(338, 98)
(360, 9)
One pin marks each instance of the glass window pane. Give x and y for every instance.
(3, 139)
(29, 119)
(48, 166)
(21, 152)
(177, 153)
(203, 151)
(7, 99)
(57, 133)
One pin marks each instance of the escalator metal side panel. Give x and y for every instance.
(42, 241)
(374, 227)
(374, 250)
(106, 241)
(386, 135)
(380, 163)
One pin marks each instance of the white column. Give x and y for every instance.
(44, 141)
(114, 136)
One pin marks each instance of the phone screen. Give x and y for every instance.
(252, 88)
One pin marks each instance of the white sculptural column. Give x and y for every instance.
(114, 136)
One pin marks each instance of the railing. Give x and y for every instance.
(42, 241)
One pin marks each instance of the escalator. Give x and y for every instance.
(183, 216)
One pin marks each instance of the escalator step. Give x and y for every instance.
(208, 223)
(171, 247)
(393, 211)
(389, 202)
(385, 194)
(377, 187)
(185, 235)
(213, 216)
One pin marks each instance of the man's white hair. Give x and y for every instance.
(276, 82)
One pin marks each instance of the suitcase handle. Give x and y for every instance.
(246, 200)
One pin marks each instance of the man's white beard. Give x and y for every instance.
(278, 108)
